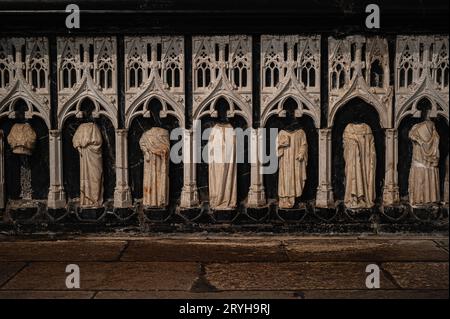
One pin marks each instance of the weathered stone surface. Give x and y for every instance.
(419, 275)
(204, 250)
(64, 250)
(8, 269)
(107, 276)
(306, 294)
(290, 276)
(363, 250)
(33, 294)
(443, 243)
(375, 294)
(191, 295)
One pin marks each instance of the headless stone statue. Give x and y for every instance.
(360, 164)
(292, 150)
(155, 145)
(22, 139)
(88, 141)
(424, 173)
(222, 167)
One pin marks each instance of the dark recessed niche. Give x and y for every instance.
(356, 111)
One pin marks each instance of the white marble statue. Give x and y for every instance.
(155, 145)
(424, 173)
(360, 164)
(88, 141)
(222, 167)
(22, 138)
(292, 150)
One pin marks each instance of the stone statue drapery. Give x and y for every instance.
(292, 150)
(424, 173)
(22, 138)
(155, 145)
(88, 141)
(222, 167)
(360, 165)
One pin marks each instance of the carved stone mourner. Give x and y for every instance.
(424, 173)
(22, 138)
(88, 141)
(222, 167)
(292, 150)
(360, 164)
(155, 145)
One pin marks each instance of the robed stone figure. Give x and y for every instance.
(360, 164)
(88, 141)
(292, 150)
(155, 144)
(222, 167)
(424, 173)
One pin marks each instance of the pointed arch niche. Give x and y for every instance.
(405, 146)
(421, 82)
(24, 97)
(358, 75)
(87, 91)
(219, 109)
(154, 92)
(287, 120)
(222, 80)
(357, 110)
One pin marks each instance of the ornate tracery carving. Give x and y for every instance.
(359, 67)
(422, 70)
(87, 69)
(24, 74)
(222, 68)
(154, 69)
(290, 67)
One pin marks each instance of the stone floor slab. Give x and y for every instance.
(9, 269)
(33, 294)
(290, 276)
(419, 275)
(364, 250)
(375, 294)
(64, 250)
(107, 276)
(191, 295)
(204, 250)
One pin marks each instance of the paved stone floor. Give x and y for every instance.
(215, 266)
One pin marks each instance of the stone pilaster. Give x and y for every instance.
(56, 195)
(324, 197)
(189, 193)
(256, 194)
(122, 194)
(390, 191)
